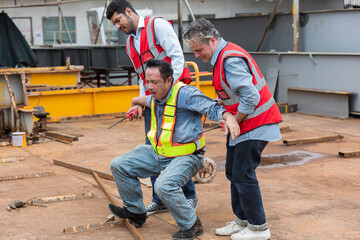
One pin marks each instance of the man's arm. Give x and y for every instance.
(139, 101)
(168, 40)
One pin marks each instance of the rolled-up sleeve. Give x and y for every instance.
(239, 78)
(168, 40)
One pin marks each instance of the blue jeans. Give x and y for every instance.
(241, 162)
(188, 188)
(142, 162)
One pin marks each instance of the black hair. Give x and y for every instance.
(164, 68)
(118, 6)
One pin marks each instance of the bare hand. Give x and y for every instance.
(231, 125)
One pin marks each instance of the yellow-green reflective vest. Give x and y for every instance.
(164, 146)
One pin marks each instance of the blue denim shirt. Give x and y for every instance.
(191, 105)
(239, 78)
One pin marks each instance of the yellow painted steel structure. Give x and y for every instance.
(52, 76)
(63, 104)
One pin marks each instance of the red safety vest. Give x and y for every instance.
(266, 112)
(150, 50)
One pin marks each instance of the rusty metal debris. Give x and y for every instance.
(16, 204)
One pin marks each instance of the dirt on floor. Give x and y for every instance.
(314, 200)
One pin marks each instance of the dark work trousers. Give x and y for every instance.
(189, 188)
(241, 162)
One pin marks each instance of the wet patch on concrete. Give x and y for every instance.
(295, 158)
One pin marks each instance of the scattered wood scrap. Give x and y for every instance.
(88, 171)
(62, 136)
(82, 169)
(130, 227)
(349, 154)
(91, 227)
(37, 201)
(300, 141)
(27, 175)
(11, 159)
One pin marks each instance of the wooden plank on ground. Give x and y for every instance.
(349, 154)
(309, 140)
(36, 201)
(130, 227)
(27, 175)
(62, 136)
(300, 141)
(92, 227)
(82, 169)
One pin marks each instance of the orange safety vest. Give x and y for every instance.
(150, 50)
(266, 112)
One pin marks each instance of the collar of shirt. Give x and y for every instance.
(220, 46)
(140, 25)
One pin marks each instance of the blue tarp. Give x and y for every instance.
(14, 49)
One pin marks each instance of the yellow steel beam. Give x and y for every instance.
(66, 103)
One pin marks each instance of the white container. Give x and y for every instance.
(18, 139)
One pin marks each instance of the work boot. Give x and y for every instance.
(247, 234)
(229, 229)
(135, 219)
(194, 231)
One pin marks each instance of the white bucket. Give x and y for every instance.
(18, 139)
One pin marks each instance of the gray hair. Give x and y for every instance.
(200, 31)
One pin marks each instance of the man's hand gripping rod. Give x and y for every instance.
(128, 115)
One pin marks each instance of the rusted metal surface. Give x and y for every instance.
(295, 25)
(27, 175)
(92, 227)
(67, 141)
(12, 98)
(301, 141)
(131, 227)
(349, 154)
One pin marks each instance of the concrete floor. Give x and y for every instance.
(314, 201)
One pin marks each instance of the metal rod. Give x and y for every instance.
(60, 24)
(272, 16)
(295, 12)
(102, 18)
(66, 26)
(180, 23)
(190, 11)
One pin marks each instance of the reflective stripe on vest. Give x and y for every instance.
(266, 112)
(165, 146)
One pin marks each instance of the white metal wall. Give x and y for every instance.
(164, 8)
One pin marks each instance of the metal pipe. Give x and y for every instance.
(66, 26)
(102, 18)
(295, 13)
(180, 26)
(190, 11)
(272, 16)
(60, 24)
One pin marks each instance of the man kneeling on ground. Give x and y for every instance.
(176, 150)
